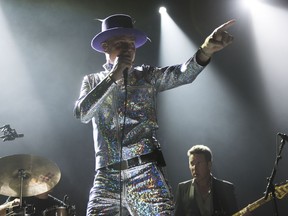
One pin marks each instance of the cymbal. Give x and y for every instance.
(39, 175)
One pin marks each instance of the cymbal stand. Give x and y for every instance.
(22, 175)
(20, 210)
(270, 186)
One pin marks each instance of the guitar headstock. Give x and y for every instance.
(281, 189)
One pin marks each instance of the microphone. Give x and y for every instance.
(9, 134)
(125, 75)
(283, 136)
(9, 137)
(18, 135)
(7, 127)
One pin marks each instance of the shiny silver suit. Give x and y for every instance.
(124, 118)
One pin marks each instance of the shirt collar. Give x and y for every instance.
(108, 66)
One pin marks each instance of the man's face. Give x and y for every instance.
(199, 167)
(117, 46)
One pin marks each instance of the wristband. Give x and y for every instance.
(204, 53)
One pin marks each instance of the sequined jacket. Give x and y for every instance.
(131, 128)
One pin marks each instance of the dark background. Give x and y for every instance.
(236, 106)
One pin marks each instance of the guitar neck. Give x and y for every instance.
(254, 205)
(281, 191)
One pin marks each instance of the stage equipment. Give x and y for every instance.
(9, 133)
(26, 175)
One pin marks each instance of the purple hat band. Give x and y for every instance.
(117, 25)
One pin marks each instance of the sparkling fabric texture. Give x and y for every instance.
(103, 101)
(144, 192)
(143, 189)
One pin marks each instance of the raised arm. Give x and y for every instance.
(216, 41)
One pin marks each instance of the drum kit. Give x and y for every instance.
(26, 175)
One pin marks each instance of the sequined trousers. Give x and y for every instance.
(144, 192)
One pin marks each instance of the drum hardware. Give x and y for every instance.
(22, 175)
(64, 206)
(9, 133)
(27, 176)
(22, 211)
(70, 208)
(62, 203)
(37, 175)
(56, 211)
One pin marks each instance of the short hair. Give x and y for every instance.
(201, 149)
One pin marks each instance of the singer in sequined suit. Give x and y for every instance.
(121, 103)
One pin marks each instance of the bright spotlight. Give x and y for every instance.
(162, 10)
(251, 4)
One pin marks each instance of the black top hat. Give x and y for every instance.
(118, 25)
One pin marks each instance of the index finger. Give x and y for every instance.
(226, 25)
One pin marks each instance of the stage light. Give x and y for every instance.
(162, 10)
(250, 4)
